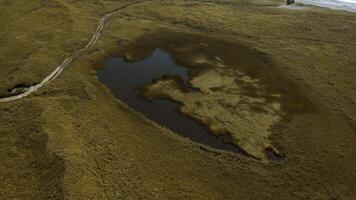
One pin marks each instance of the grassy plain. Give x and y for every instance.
(73, 140)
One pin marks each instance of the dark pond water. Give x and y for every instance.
(124, 77)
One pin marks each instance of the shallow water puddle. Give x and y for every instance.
(208, 90)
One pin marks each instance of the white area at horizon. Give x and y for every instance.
(348, 5)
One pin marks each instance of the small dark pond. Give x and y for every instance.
(186, 55)
(123, 78)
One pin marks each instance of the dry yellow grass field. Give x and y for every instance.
(73, 140)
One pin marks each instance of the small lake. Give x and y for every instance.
(223, 87)
(123, 77)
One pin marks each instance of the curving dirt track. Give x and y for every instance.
(59, 69)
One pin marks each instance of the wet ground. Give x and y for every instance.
(124, 77)
(225, 92)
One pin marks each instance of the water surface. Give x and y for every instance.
(187, 56)
(123, 78)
